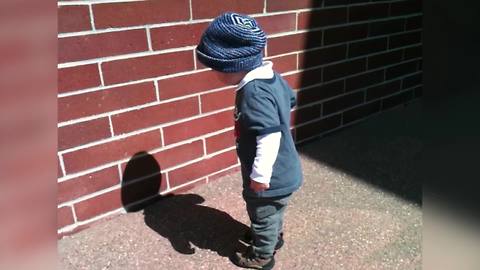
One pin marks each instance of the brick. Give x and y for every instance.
(361, 112)
(200, 66)
(87, 104)
(202, 9)
(284, 63)
(310, 77)
(101, 45)
(317, 127)
(328, 3)
(73, 19)
(412, 81)
(87, 184)
(345, 33)
(151, 66)
(413, 52)
(155, 115)
(189, 186)
(98, 205)
(294, 79)
(59, 168)
(64, 216)
(79, 77)
(124, 14)
(111, 151)
(386, 27)
(218, 100)
(197, 127)
(176, 36)
(321, 56)
(414, 23)
(405, 39)
(343, 69)
(277, 23)
(320, 92)
(304, 78)
(367, 47)
(188, 84)
(306, 114)
(295, 42)
(401, 70)
(405, 7)
(224, 173)
(383, 90)
(179, 154)
(282, 5)
(395, 100)
(202, 168)
(82, 133)
(220, 141)
(368, 12)
(342, 102)
(364, 80)
(384, 59)
(321, 18)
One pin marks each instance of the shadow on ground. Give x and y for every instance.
(187, 224)
(180, 218)
(383, 151)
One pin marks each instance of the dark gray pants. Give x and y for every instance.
(266, 216)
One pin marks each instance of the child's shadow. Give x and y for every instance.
(185, 222)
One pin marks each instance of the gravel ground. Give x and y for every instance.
(359, 208)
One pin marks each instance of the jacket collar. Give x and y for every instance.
(264, 71)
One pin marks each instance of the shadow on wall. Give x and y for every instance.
(178, 217)
(356, 69)
(141, 182)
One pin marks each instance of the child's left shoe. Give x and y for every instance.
(249, 259)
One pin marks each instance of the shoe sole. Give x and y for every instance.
(268, 266)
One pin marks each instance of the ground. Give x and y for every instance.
(359, 208)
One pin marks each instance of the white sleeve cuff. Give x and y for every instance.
(267, 151)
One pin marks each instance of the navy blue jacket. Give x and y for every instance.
(262, 106)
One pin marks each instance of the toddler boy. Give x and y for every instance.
(233, 45)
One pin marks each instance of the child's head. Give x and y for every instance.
(232, 43)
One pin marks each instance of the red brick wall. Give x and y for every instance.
(129, 82)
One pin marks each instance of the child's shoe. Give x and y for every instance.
(249, 259)
(249, 239)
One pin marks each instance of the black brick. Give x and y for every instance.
(367, 47)
(361, 112)
(345, 33)
(343, 69)
(385, 59)
(342, 102)
(383, 90)
(364, 80)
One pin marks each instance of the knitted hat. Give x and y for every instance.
(232, 43)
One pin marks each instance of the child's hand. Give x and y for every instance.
(257, 187)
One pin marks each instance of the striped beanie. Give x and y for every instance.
(232, 43)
